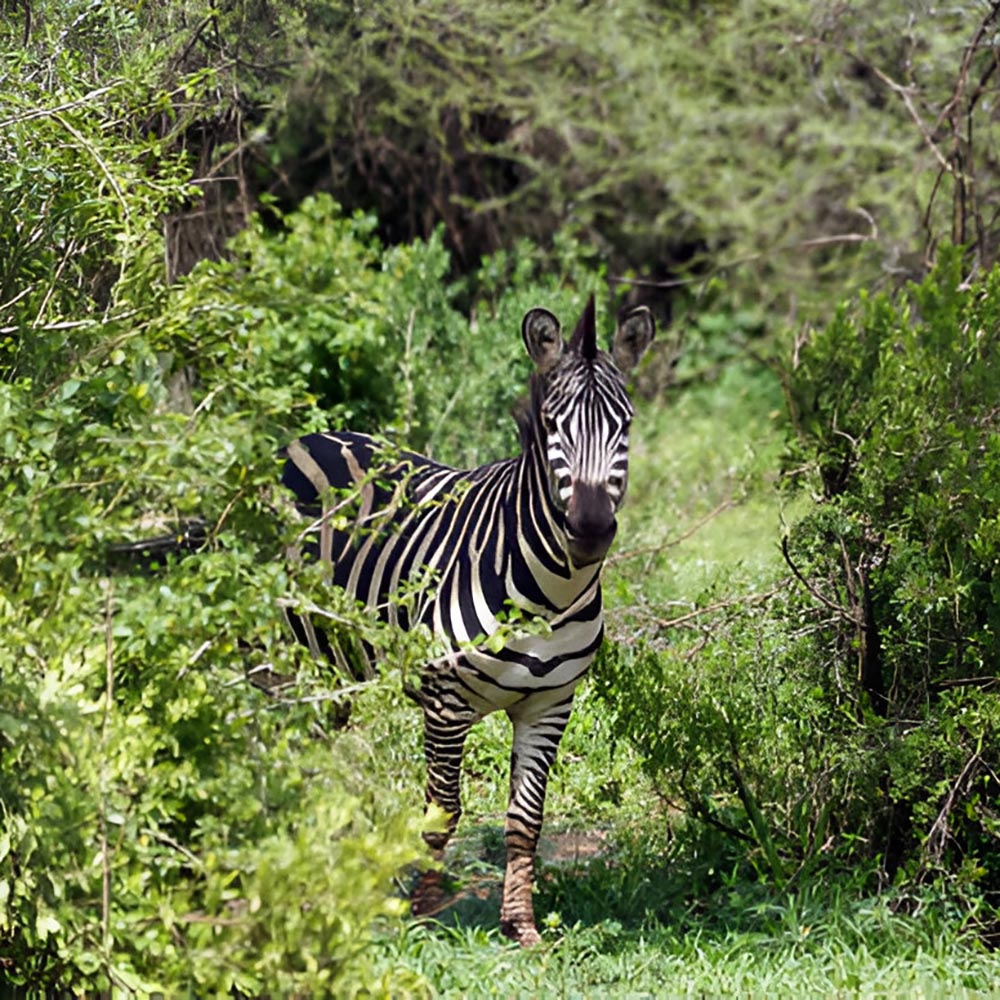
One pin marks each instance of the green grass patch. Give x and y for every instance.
(791, 948)
(702, 497)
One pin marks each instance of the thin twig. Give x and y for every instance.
(904, 94)
(170, 842)
(960, 682)
(68, 106)
(938, 833)
(69, 324)
(109, 684)
(647, 550)
(407, 372)
(809, 244)
(71, 249)
(720, 606)
(963, 72)
(812, 590)
(20, 295)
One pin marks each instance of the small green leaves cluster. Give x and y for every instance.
(165, 826)
(895, 405)
(905, 548)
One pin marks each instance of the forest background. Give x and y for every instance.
(223, 225)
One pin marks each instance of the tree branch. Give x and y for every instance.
(847, 613)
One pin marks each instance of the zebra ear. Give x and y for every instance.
(634, 334)
(542, 337)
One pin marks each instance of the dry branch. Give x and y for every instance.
(649, 550)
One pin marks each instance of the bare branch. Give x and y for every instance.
(846, 612)
(904, 94)
(938, 834)
(721, 606)
(809, 244)
(92, 96)
(109, 687)
(648, 550)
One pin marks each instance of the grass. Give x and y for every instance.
(702, 497)
(798, 949)
(641, 921)
(632, 901)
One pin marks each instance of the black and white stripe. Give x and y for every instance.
(527, 534)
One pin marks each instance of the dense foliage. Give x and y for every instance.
(149, 797)
(222, 225)
(847, 720)
(796, 146)
(903, 556)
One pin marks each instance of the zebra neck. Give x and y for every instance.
(541, 535)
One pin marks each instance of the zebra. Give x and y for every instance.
(527, 534)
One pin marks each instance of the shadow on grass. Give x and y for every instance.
(649, 919)
(641, 889)
(581, 879)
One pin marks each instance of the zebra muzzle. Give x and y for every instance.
(590, 523)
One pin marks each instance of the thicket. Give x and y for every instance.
(846, 721)
(157, 808)
(798, 147)
(178, 811)
(152, 797)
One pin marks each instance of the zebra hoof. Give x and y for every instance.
(524, 934)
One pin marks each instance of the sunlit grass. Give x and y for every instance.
(850, 952)
(703, 497)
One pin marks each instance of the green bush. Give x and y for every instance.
(776, 141)
(164, 823)
(162, 827)
(849, 721)
(372, 335)
(85, 182)
(895, 404)
(738, 730)
(905, 552)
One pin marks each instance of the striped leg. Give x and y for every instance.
(536, 740)
(445, 730)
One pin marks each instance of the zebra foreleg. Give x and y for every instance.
(445, 730)
(536, 740)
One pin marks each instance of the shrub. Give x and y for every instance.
(904, 553)
(850, 718)
(162, 827)
(370, 334)
(165, 825)
(795, 146)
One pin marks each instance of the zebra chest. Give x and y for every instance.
(543, 667)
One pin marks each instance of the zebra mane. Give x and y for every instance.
(521, 411)
(525, 411)
(584, 339)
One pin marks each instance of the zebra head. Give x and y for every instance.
(580, 417)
